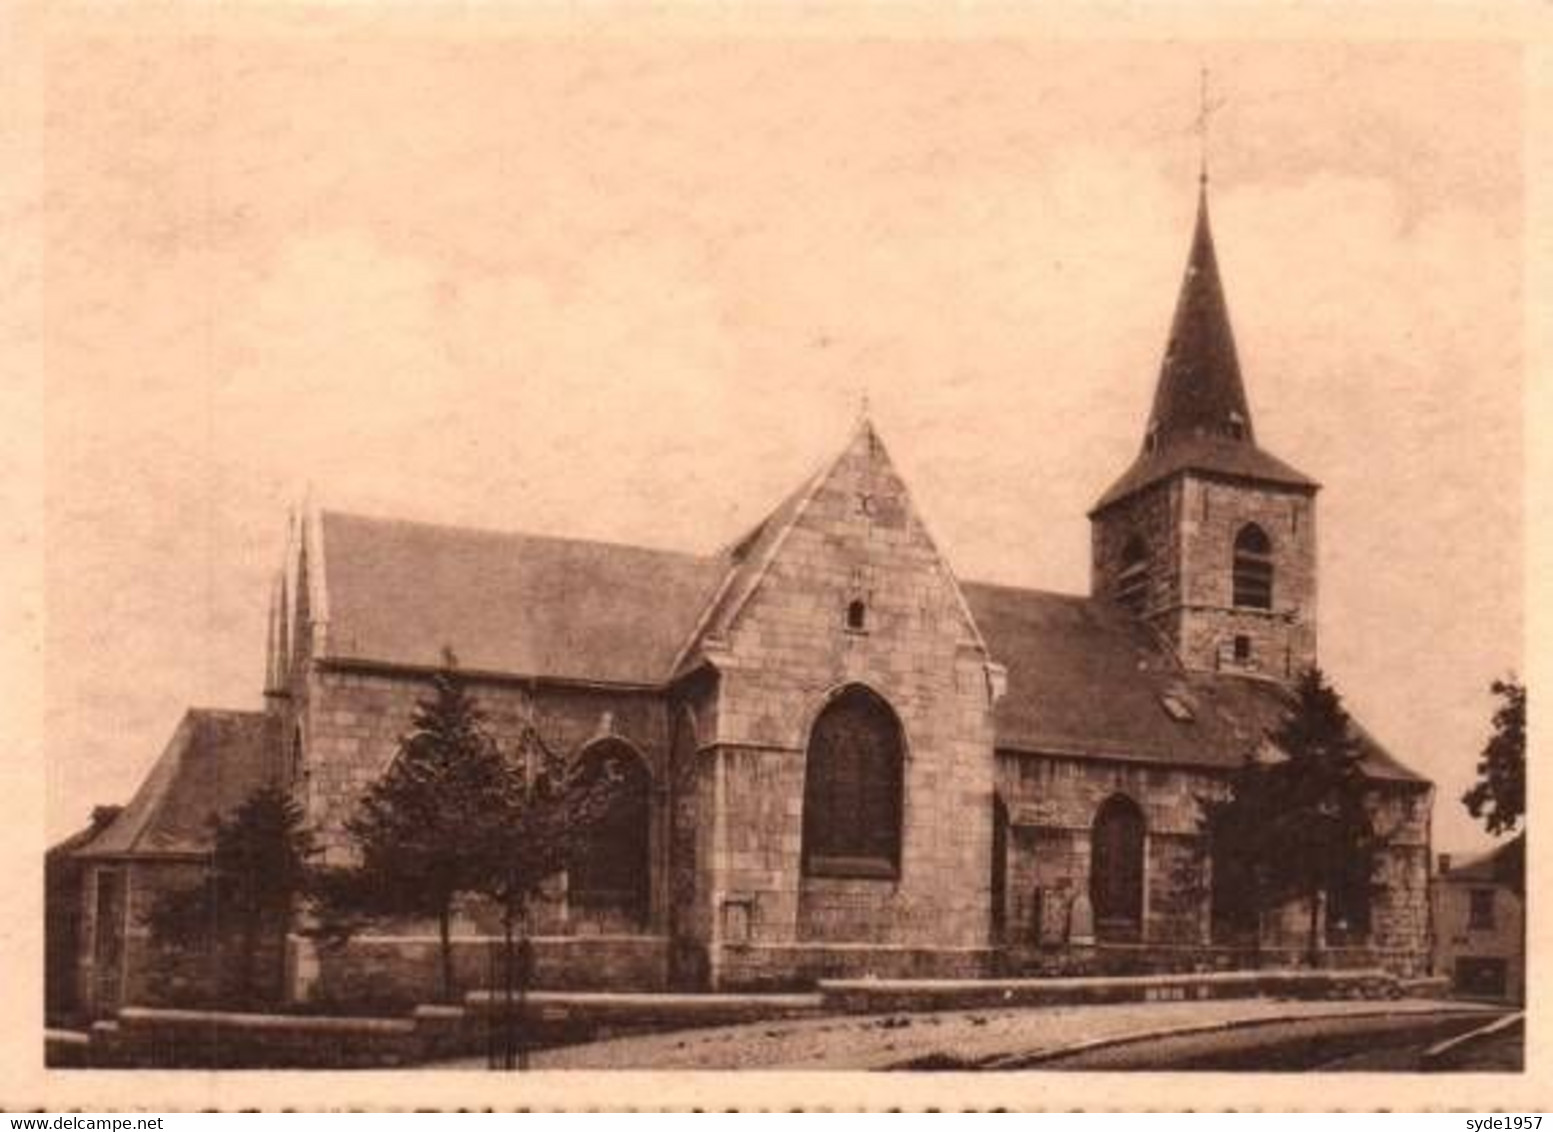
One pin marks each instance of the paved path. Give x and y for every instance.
(1368, 1043)
(952, 1039)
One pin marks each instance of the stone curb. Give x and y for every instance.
(1038, 1057)
(1443, 1049)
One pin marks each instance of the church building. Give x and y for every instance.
(844, 759)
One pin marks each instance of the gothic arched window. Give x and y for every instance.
(609, 875)
(1132, 580)
(852, 788)
(1253, 569)
(1116, 869)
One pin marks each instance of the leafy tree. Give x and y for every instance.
(258, 868)
(1499, 795)
(553, 807)
(426, 829)
(1295, 823)
(455, 815)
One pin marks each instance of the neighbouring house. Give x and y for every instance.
(1480, 922)
(163, 839)
(64, 876)
(846, 759)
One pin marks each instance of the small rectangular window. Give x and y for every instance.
(1242, 648)
(1481, 914)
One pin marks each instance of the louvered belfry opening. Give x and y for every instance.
(1132, 581)
(1253, 568)
(852, 788)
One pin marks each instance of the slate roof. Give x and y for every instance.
(1209, 454)
(1497, 866)
(213, 762)
(741, 564)
(1200, 389)
(518, 604)
(1086, 679)
(1201, 418)
(1083, 677)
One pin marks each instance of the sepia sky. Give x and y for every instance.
(633, 288)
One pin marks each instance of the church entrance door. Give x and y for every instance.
(1116, 870)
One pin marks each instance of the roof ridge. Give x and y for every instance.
(513, 533)
(1010, 587)
(794, 503)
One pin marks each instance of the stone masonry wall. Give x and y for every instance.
(786, 653)
(396, 972)
(1052, 803)
(1153, 515)
(1283, 640)
(1189, 524)
(692, 823)
(1399, 912)
(355, 718)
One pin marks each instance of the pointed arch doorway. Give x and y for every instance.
(1116, 870)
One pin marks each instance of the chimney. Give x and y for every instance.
(1445, 864)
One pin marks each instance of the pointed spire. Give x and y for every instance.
(1200, 391)
(283, 635)
(271, 664)
(304, 610)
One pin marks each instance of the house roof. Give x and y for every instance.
(1086, 679)
(1497, 866)
(102, 818)
(518, 604)
(213, 762)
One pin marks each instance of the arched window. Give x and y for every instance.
(1116, 869)
(609, 875)
(1132, 580)
(852, 789)
(1253, 572)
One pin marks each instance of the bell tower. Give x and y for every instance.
(1208, 537)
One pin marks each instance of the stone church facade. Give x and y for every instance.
(844, 760)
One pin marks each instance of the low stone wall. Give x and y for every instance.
(549, 1018)
(872, 996)
(151, 1038)
(1164, 959)
(186, 1039)
(67, 1049)
(401, 970)
(802, 965)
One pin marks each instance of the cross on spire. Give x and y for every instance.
(1205, 109)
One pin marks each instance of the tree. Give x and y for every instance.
(1295, 822)
(426, 829)
(1499, 795)
(552, 808)
(258, 868)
